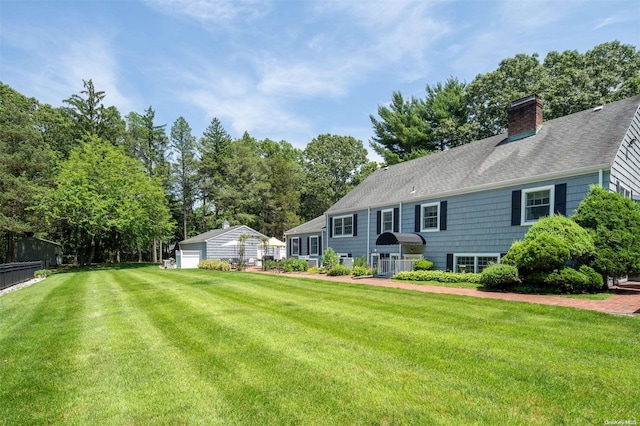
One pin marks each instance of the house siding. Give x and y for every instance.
(626, 165)
(356, 245)
(200, 247)
(304, 244)
(477, 222)
(217, 250)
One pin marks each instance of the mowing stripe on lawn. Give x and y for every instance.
(146, 345)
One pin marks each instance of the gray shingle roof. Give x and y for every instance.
(314, 225)
(586, 139)
(209, 234)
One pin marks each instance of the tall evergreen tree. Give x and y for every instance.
(184, 169)
(240, 199)
(91, 117)
(281, 201)
(214, 149)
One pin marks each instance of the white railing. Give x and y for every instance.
(390, 267)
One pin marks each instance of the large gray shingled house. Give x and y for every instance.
(467, 205)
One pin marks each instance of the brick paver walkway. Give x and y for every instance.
(624, 302)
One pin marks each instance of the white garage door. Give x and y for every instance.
(189, 259)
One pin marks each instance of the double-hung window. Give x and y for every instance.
(295, 246)
(537, 203)
(313, 246)
(387, 220)
(474, 262)
(430, 214)
(343, 226)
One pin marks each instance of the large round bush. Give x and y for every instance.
(544, 253)
(499, 276)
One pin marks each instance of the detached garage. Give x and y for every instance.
(219, 244)
(188, 259)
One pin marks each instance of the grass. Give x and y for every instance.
(460, 284)
(151, 346)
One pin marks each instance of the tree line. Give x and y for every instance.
(454, 113)
(114, 188)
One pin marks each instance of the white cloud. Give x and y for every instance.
(234, 97)
(394, 35)
(217, 11)
(302, 79)
(59, 62)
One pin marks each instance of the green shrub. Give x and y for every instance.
(514, 255)
(544, 253)
(293, 265)
(359, 271)
(215, 265)
(549, 245)
(42, 273)
(614, 222)
(596, 281)
(422, 265)
(499, 276)
(575, 238)
(567, 280)
(270, 264)
(438, 276)
(360, 261)
(338, 270)
(330, 258)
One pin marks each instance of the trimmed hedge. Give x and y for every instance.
(499, 276)
(215, 265)
(422, 265)
(569, 280)
(438, 276)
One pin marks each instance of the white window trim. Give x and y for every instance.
(334, 226)
(437, 228)
(314, 237)
(382, 220)
(293, 252)
(475, 260)
(523, 203)
(626, 191)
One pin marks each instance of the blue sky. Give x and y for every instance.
(283, 69)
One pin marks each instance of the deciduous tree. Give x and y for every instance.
(331, 164)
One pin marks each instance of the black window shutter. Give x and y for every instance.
(516, 207)
(450, 262)
(330, 227)
(560, 204)
(355, 225)
(396, 219)
(290, 246)
(320, 245)
(308, 238)
(417, 219)
(378, 222)
(443, 215)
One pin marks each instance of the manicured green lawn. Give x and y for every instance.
(150, 346)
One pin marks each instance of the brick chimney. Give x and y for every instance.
(525, 117)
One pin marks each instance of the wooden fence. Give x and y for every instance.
(16, 273)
